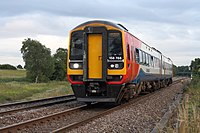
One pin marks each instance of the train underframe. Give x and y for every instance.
(103, 92)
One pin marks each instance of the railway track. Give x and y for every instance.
(6, 109)
(72, 118)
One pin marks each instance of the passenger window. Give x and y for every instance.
(137, 56)
(152, 61)
(149, 56)
(147, 59)
(144, 57)
(164, 65)
(140, 56)
(155, 62)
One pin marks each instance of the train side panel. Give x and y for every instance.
(146, 60)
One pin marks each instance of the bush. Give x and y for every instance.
(8, 67)
(19, 67)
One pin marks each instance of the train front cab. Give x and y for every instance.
(96, 62)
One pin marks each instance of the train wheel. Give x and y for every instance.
(159, 84)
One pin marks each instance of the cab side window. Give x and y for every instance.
(128, 52)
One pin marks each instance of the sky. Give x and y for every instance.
(171, 26)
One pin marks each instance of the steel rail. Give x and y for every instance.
(33, 101)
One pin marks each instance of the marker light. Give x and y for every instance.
(116, 65)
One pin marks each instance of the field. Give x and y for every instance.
(14, 87)
(12, 74)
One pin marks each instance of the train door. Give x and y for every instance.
(95, 54)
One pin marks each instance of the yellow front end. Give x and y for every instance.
(96, 61)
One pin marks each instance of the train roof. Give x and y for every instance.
(119, 26)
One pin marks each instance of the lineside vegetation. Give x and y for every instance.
(189, 111)
(188, 118)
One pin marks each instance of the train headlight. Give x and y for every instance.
(76, 65)
(112, 65)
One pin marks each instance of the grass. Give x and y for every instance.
(14, 87)
(189, 111)
(14, 91)
(187, 118)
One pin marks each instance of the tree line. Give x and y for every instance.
(191, 71)
(7, 67)
(195, 67)
(41, 66)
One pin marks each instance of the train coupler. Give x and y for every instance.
(94, 88)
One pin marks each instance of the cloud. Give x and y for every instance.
(53, 42)
(156, 10)
(34, 24)
(10, 48)
(11, 60)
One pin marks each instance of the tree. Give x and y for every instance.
(174, 70)
(60, 64)
(19, 67)
(38, 61)
(195, 65)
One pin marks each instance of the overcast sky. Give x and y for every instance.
(171, 26)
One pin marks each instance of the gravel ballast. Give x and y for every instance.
(135, 118)
(35, 113)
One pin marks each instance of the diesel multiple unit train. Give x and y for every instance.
(106, 63)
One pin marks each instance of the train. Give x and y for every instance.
(106, 63)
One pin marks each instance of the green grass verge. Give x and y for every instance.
(189, 113)
(189, 110)
(15, 91)
(187, 118)
(15, 87)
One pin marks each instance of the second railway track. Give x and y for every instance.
(6, 109)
